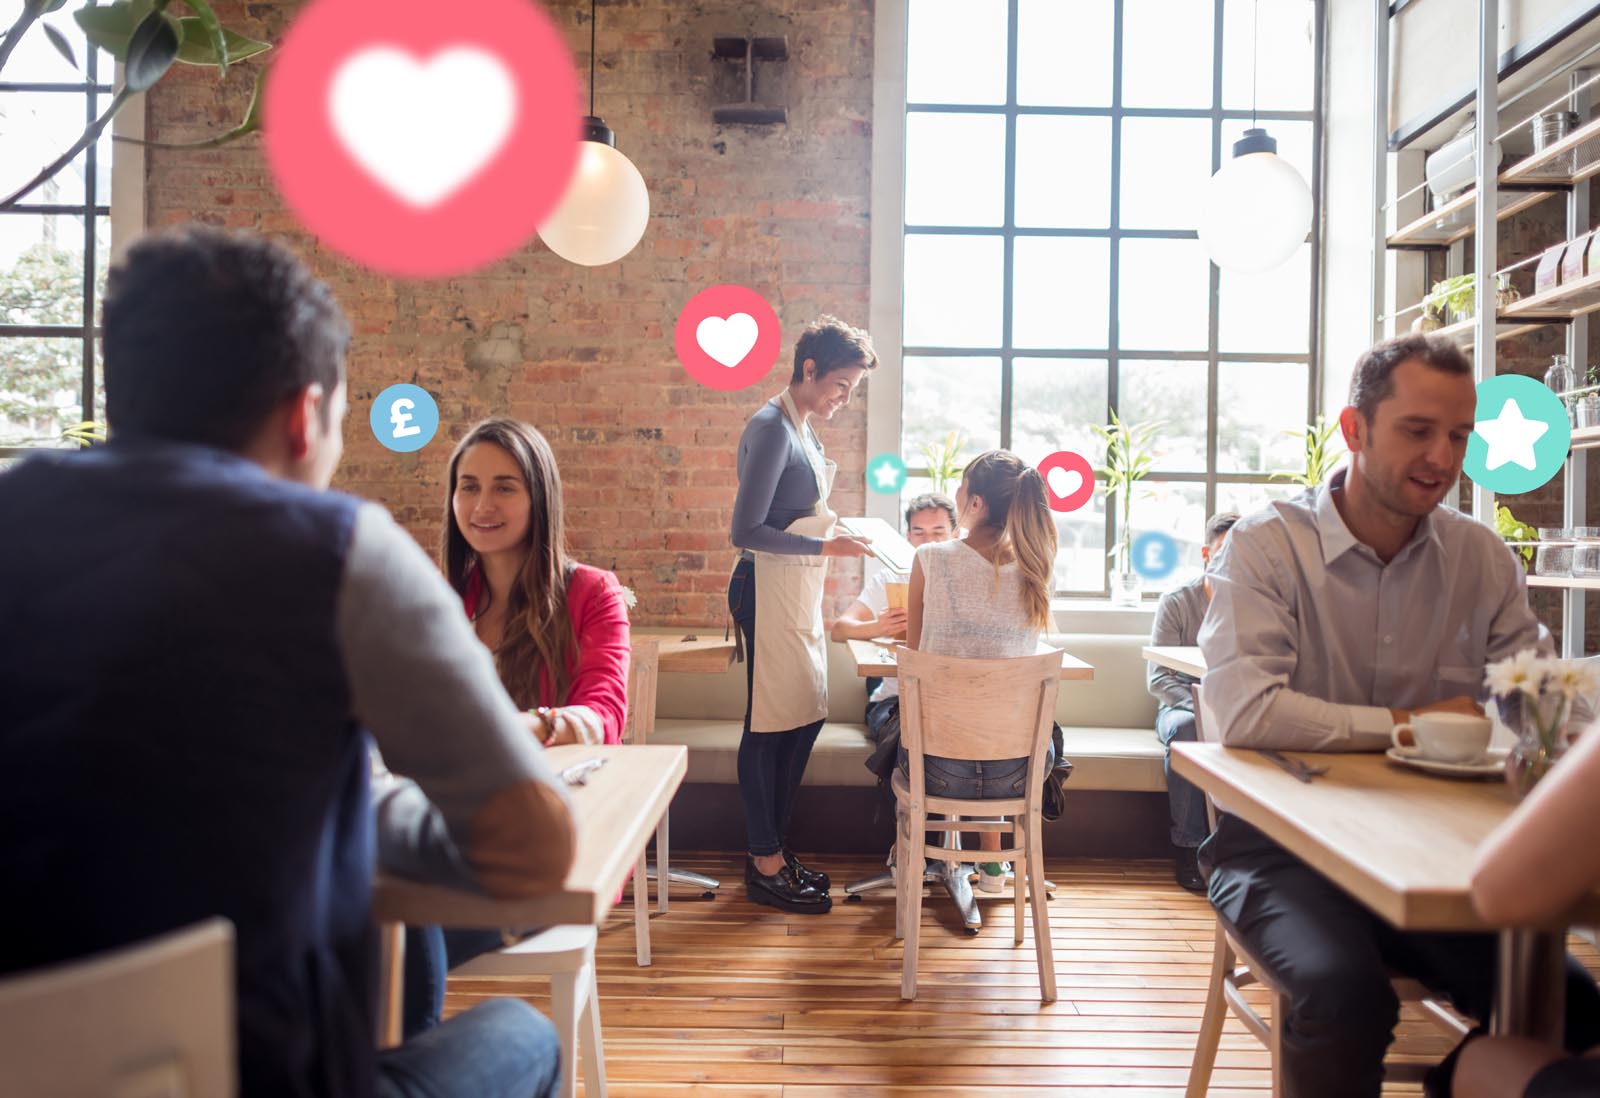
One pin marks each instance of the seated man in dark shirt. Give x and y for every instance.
(1178, 618)
(196, 634)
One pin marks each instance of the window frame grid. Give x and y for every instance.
(1113, 354)
(89, 211)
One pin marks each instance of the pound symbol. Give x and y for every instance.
(400, 416)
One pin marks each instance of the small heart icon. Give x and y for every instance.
(422, 129)
(729, 340)
(1064, 482)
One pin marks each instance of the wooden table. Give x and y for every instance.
(875, 659)
(615, 813)
(1403, 844)
(1187, 660)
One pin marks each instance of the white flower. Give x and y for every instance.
(629, 599)
(1577, 679)
(1518, 674)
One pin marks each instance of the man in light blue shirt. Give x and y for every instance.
(1333, 617)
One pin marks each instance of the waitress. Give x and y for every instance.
(783, 526)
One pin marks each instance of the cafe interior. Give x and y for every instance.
(1095, 398)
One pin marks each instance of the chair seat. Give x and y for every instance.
(555, 949)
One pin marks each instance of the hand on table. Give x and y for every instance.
(890, 623)
(845, 545)
(1461, 703)
(569, 724)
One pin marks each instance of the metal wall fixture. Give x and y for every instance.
(773, 54)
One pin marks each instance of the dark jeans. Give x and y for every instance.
(970, 780)
(880, 714)
(430, 955)
(1566, 1079)
(1332, 957)
(1186, 803)
(499, 1049)
(771, 764)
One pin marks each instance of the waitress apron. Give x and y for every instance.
(790, 687)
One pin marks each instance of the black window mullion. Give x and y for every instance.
(1008, 229)
(90, 201)
(1114, 320)
(1213, 275)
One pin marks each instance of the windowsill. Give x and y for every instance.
(1099, 616)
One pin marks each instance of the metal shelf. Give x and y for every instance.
(1566, 583)
(1585, 438)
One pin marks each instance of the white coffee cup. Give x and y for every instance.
(1446, 737)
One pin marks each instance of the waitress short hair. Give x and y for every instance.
(832, 345)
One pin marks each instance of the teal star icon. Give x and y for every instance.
(886, 473)
(1521, 437)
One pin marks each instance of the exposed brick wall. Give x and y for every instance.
(647, 455)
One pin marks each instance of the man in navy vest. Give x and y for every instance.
(196, 635)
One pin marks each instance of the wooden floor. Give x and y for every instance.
(744, 1000)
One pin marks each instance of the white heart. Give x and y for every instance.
(727, 341)
(422, 129)
(1059, 479)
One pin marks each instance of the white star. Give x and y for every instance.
(886, 474)
(1511, 437)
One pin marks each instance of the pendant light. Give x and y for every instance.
(1256, 210)
(606, 208)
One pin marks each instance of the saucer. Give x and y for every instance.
(1492, 764)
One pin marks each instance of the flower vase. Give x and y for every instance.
(1127, 587)
(1541, 729)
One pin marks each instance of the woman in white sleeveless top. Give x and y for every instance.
(986, 597)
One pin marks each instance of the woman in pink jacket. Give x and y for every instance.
(558, 631)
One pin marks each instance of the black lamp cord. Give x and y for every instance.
(1255, 61)
(591, 58)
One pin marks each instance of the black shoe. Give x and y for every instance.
(783, 891)
(1186, 869)
(809, 877)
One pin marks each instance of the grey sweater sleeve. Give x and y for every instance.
(481, 807)
(763, 455)
(1172, 629)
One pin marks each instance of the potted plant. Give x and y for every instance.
(1459, 294)
(943, 460)
(1429, 321)
(1589, 403)
(1513, 530)
(1129, 456)
(1321, 455)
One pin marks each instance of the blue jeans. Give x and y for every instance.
(1187, 804)
(430, 955)
(499, 1049)
(969, 780)
(771, 764)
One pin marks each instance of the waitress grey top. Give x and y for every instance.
(776, 485)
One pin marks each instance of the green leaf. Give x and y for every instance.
(213, 32)
(111, 27)
(198, 47)
(59, 41)
(151, 51)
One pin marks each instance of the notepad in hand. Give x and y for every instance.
(891, 549)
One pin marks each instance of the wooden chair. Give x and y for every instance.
(1233, 969)
(154, 1018)
(974, 710)
(566, 955)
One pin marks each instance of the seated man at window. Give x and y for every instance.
(1334, 617)
(199, 632)
(1178, 617)
(930, 517)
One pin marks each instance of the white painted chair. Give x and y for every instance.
(566, 955)
(974, 710)
(1233, 969)
(153, 1019)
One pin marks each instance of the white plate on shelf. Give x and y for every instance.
(1491, 765)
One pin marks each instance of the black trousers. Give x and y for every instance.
(1332, 957)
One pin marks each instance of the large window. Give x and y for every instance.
(1055, 154)
(54, 246)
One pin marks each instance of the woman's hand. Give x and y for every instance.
(845, 545)
(571, 724)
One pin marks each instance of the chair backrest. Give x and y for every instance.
(644, 663)
(978, 709)
(154, 1019)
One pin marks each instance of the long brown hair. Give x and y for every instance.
(1013, 493)
(538, 631)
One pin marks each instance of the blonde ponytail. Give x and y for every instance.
(1031, 534)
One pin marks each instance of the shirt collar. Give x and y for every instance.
(1336, 536)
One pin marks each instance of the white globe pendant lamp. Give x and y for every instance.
(604, 213)
(1256, 210)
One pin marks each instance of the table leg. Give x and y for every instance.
(641, 911)
(1531, 985)
(391, 983)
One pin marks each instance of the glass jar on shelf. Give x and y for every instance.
(1553, 557)
(1586, 554)
(1561, 381)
